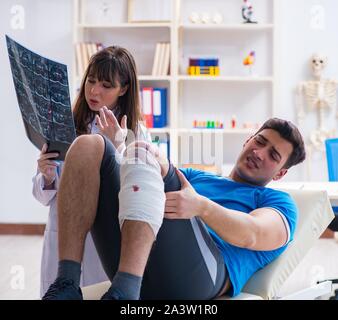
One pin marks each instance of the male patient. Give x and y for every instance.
(212, 233)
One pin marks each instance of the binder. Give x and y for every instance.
(159, 107)
(147, 106)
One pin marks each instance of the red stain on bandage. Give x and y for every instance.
(136, 188)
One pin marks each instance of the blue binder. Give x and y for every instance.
(159, 107)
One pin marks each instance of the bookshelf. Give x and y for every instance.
(250, 97)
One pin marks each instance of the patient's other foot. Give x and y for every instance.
(63, 289)
(125, 286)
(113, 294)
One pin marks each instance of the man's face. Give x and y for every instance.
(262, 158)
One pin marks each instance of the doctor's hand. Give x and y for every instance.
(109, 126)
(183, 204)
(155, 152)
(47, 166)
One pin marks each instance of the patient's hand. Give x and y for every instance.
(183, 204)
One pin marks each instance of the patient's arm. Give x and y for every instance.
(261, 229)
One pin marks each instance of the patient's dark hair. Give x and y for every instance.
(289, 132)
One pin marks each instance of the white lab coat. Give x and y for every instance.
(92, 271)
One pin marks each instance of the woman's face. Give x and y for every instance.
(102, 93)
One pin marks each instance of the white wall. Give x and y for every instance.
(48, 31)
(298, 40)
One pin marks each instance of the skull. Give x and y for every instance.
(318, 62)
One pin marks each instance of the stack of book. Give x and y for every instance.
(203, 67)
(84, 51)
(161, 62)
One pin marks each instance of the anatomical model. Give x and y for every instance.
(319, 95)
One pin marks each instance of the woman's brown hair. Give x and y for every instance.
(112, 64)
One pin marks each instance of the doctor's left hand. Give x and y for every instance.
(109, 126)
(183, 204)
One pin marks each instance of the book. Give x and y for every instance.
(154, 71)
(85, 57)
(42, 92)
(161, 52)
(79, 63)
(161, 62)
(159, 107)
(147, 106)
(166, 59)
(84, 52)
(161, 58)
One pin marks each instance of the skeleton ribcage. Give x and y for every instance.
(320, 94)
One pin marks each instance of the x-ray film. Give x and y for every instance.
(42, 92)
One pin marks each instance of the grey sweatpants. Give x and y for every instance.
(184, 262)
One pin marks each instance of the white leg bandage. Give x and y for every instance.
(141, 196)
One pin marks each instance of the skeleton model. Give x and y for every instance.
(320, 95)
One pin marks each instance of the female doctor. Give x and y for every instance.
(107, 103)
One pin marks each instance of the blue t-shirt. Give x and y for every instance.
(242, 263)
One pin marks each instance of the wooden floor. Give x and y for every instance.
(20, 267)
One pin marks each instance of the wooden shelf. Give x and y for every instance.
(224, 131)
(238, 131)
(124, 25)
(141, 78)
(225, 78)
(231, 27)
(159, 130)
(154, 78)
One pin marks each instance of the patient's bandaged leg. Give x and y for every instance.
(141, 196)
